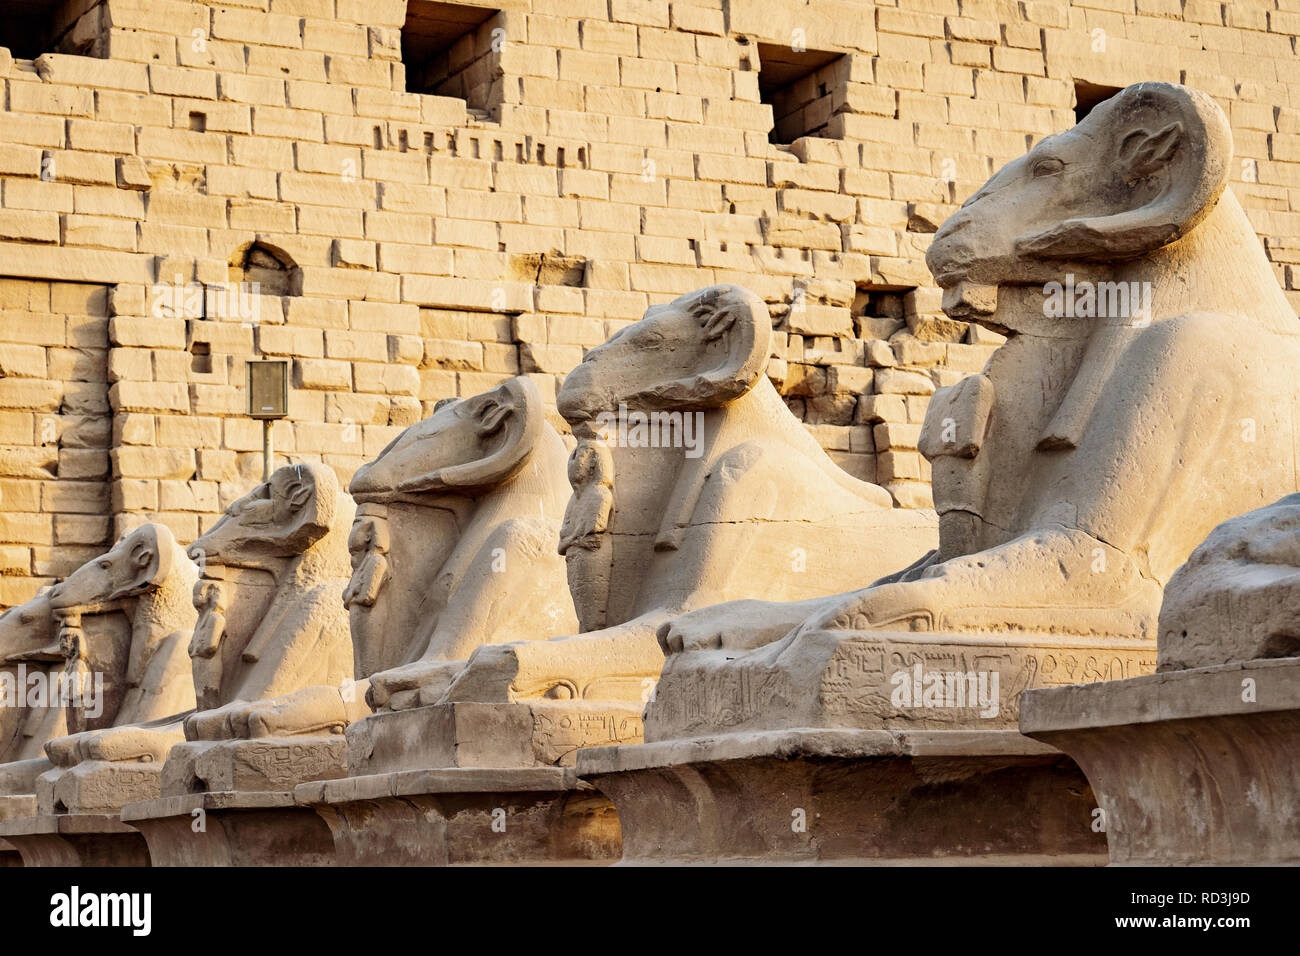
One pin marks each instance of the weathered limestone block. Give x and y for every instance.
(878, 679)
(246, 828)
(459, 815)
(75, 839)
(848, 796)
(1189, 767)
(1235, 599)
(546, 733)
(268, 764)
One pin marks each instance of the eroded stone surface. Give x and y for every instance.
(127, 615)
(453, 545)
(692, 485)
(1081, 467)
(1236, 597)
(1189, 766)
(271, 625)
(31, 659)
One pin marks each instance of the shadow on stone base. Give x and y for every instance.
(843, 796)
(525, 816)
(232, 829)
(76, 839)
(1190, 767)
(9, 855)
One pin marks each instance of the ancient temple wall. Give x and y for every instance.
(55, 430)
(400, 247)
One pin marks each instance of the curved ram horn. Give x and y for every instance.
(738, 317)
(1155, 130)
(515, 410)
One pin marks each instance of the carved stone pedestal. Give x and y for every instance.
(870, 680)
(262, 765)
(96, 787)
(843, 796)
(75, 839)
(535, 815)
(538, 733)
(18, 781)
(1190, 767)
(230, 803)
(232, 829)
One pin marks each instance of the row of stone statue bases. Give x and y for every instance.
(663, 642)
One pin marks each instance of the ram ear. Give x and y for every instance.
(1172, 147)
(737, 318)
(508, 423)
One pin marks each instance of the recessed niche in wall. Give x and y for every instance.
(32, 27)
(272, 269)
(799, 86)
(452, 49)
(1088, 95)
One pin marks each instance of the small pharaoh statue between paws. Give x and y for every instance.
(586, 517)
(205, 646)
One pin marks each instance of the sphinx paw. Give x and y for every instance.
(690, 632)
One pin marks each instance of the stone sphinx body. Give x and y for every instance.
(269, 622)
(1080, 469)
(271, 619)
(128, 616)
(1236, 598)
(453, 546)
(31, 661)
(726, 496)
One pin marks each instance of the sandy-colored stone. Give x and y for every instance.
(452, 547)
(30, 654)
(848, 797)
(125, 617)
(291, 533)
(693, 485)
(1196, 764)
(1235, 598)
(1034, 534)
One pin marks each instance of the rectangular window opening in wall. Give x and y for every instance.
(32, 27)
(201, 357)
(879, 311)
(1088, 95)
(452, 49)
(800, 87)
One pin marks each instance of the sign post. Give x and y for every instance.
(268, 399)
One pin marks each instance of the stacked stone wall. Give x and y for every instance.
(401, 247)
